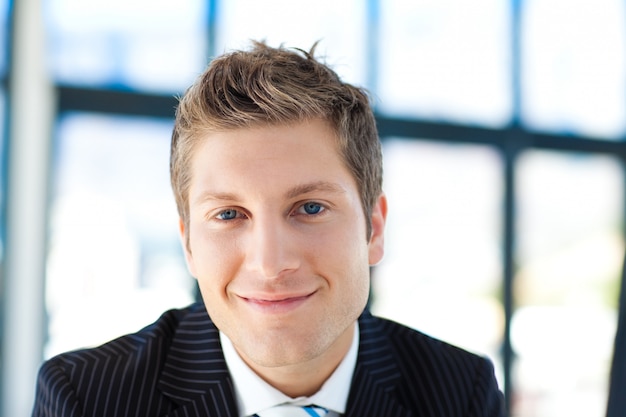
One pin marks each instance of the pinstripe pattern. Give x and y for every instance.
(175, 368)
(401, 372)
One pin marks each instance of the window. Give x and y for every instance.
(340, 28)
(140, 45)
(114, 250)
(570, 256)
(503, 127)
(442, 268)
(573, 65)
(446, 61)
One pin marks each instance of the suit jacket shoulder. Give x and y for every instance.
(167, 369)
(402, 372)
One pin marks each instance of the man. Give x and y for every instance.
(276, 168)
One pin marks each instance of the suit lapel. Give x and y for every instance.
(196, 377)
(195, 374)
(376, 376)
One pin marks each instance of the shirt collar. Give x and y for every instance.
(253, 394)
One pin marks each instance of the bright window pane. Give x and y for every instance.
(570, 253)
(573, 66)
(338, 25)
(154, 45)
(442, 268)
(115, 254)
(446, 60)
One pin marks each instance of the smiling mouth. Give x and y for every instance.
(277, 304)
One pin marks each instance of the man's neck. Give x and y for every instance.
(305, 379)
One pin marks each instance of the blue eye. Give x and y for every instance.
(229, 214)
(312, 208)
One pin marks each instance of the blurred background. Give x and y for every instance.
(503, 126)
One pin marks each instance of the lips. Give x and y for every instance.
(277, 303)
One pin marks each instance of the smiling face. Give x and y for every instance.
(277, 240)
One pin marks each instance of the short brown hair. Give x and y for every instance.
(271, 86)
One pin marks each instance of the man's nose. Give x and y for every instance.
(271, 248)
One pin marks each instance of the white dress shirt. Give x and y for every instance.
(254, 395)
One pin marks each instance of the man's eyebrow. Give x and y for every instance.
(293, 192)
(208, 196)
(315, 186)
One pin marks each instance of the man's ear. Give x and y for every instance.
(377, 239)
(184, 240)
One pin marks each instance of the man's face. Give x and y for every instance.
(277, 241)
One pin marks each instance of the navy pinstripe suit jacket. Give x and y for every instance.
(175, 368)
